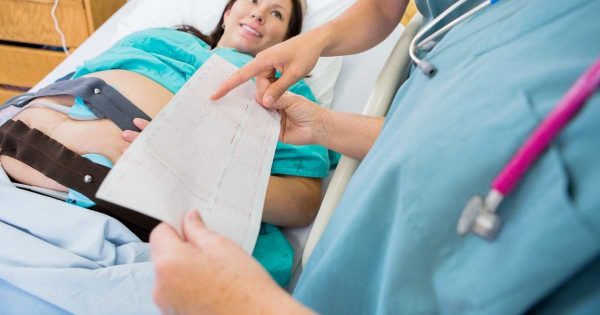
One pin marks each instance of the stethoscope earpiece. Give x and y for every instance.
(427, 68)
(428, 43)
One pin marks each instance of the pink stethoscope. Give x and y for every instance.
(479, 215)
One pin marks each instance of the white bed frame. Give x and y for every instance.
(393, 74)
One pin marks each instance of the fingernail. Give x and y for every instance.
(269, 100)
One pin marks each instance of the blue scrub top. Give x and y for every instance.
(391, 247)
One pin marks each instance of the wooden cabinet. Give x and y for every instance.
(30, 47)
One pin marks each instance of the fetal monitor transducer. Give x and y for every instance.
(427, 44)
(479, 215)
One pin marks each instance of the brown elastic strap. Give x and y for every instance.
(66, 167)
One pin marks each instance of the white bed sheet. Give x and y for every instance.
(80, 260)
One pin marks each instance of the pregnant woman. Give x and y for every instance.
(67, 136)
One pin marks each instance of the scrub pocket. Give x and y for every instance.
(543, 241)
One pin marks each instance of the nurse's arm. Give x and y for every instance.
(350, 134)
(362, 26)
(304, 122)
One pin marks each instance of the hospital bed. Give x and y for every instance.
(41, 254)
(392, 75)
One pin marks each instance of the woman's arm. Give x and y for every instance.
(350, 134)
(292, 201)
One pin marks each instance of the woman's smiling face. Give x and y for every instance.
(255, 25)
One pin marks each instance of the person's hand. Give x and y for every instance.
(302, 121)
(205, 273)
(294, 59)
(130, 135)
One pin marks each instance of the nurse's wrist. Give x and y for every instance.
(320, 39)
(323, 128)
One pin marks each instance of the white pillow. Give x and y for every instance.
(201, 14)
(205, 14)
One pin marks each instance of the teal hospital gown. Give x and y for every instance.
(391, 246)
(170, 58)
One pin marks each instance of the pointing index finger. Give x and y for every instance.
(240, 76)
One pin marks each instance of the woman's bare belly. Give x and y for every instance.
(84, 137)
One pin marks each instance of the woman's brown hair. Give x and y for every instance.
(294, 27)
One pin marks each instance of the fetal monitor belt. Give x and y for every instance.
(104, 100)
(51, 158)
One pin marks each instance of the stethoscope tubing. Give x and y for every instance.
(425, 66)
(479, 215)
(450, 25)
(546, 132)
